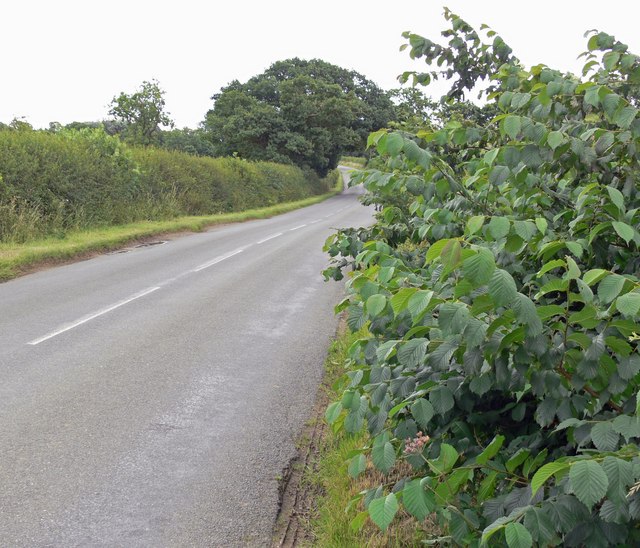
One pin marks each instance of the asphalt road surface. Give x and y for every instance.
(152, 397)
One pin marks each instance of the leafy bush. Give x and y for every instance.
(51, 182)
(501, 293)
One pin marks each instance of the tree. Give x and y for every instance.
(143, 112)
(303, 112)
(191, 141)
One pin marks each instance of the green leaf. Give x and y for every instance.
(624, 117)
(620, 475)
(383, 510)
(517, 459)
(435, 250)
(442, 399)
(588, 481)
(625, 231)
(418, 303)
(475, 333)
(450, 256)
(394, 144)
(629, 367)
(604, 437)
(418, 502)
(357, 523)
(616, 197)
(447, 459)
(544, 473)
(422, 411)
(610, 287)
(499, 174)
(517, 536)
(383, 456)
(502, 287)
(539, 524)
(541, 224)
(511, 125)
(546, 312)
(333, 412)
(400, 300)
(375, 305)
(555, 139)
(593, 276)
(499, 227)
(527, 314)
(357, 465)
(474, 224)
(412, 353)
(629, 304)
(525, 229)
(479, 267)
(491, 450)
(627, 426)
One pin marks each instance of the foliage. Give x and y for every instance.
(191, 141)
(500, 287)
(303, 112)
(143, 112)
(54, 182)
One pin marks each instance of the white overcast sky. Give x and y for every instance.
(64, 60)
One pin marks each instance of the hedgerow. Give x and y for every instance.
(500, 288)
(85, 178)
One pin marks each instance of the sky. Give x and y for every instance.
(65, 60)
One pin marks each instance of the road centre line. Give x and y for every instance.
(297, 227)
(93, 316)
(217, 260)
(269, 238)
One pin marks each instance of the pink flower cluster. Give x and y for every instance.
(416, 444)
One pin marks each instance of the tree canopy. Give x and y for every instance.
(143, 112)
(303, 112)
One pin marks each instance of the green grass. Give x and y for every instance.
(353, 161)
(331, 525)
(17, 258)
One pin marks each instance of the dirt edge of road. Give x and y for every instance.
(298, 495)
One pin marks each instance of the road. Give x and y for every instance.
(152, 397)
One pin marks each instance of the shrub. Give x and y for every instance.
(501, 293)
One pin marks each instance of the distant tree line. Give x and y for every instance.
(298, 112)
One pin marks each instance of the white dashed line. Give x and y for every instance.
(297, 227)
(92, 316)
(269, 238)
(217, 260)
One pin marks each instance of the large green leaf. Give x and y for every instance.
(544, 473)
(417, 500)
(375, 305)
(517, 536)
(629, 304)
(610, 287)
(502, 287)
(479, 267)
(625, 231)
(411, 353)
(383, 510)
(422, 411)
(588, 481)
(499, 227)
(512, 126)
(383, 456)
(604, 437)
(442, 399)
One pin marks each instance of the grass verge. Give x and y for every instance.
(315, 504)
(17, 259)
(353, 161)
